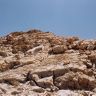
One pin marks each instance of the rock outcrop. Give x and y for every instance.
(37, 63)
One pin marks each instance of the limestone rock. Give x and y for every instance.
(75, 81)
(58, 49)
(67, 93)
(38, 89)
(2, 53)
(37, 63)
(46, 82)
(35, 49)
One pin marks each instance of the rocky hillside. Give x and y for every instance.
(37, 63)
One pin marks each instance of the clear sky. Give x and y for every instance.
(67, 17)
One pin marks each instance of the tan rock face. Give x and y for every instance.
(37, 63)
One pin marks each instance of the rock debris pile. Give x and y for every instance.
(37, 63)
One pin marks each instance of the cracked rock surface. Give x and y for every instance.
(37, 63)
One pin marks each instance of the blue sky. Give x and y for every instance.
(63, 17)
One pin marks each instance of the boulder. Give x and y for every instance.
(77, 80)
(3, 54)
(11, 81)
(66, 81)
(35, 50)
(58, 49)
(67, 93)
(92, 59)
(38, 89)
(46, 82)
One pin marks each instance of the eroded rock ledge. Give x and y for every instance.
(37, 63)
